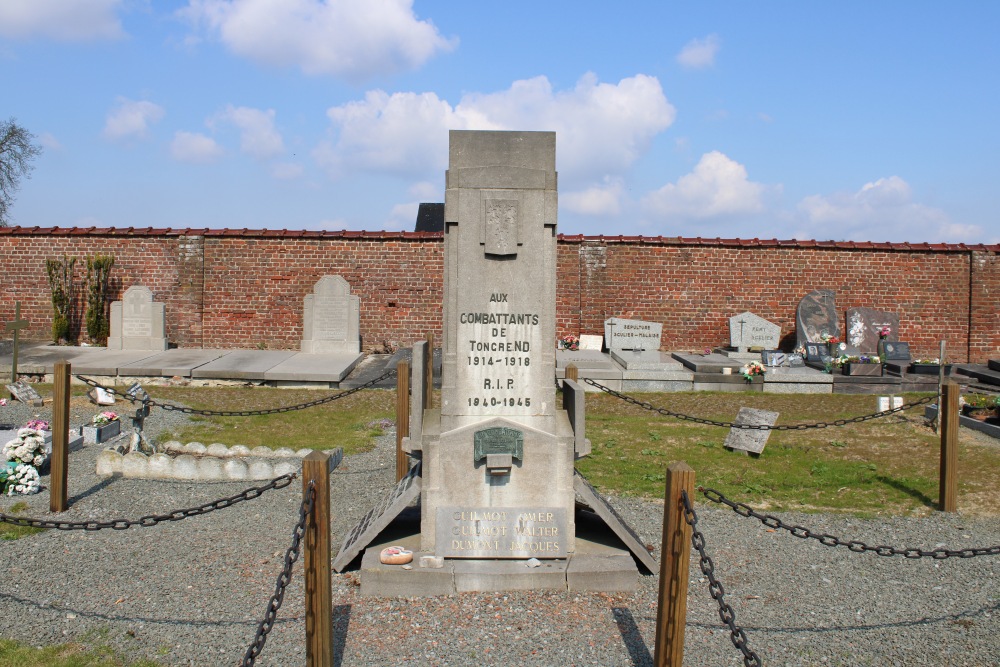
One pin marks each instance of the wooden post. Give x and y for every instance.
(429, 373)
(675, 556)
(59, 462)
(572, 373)
(948, 412)
(402, 417)
(936, 422)
(316, 562)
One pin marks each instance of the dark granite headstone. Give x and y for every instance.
(896, 351)
(815, 316)
(863, 325)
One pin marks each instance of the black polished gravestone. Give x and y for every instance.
(896, 351)
(863, 327)
(816, 315)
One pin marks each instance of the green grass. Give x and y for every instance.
(17, 654)
(11, 532)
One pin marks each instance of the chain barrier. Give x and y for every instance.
(153, 519)
(285, 576)
(243, 413)
(757, 427)
(726, 613)
(772, 521)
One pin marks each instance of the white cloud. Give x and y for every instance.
(286, 171)
(355, 39)
(403, 217)
(604, 199)
(258, 137)
(61, 20)
(882, 210)
(426, 191)
(131, 119)
(49, 141)
(699, 53)
(194, 148)
(718, 186)
(603, 128)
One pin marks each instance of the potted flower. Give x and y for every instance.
(18, 478)
(883, 335)
(931, 366)
(38, 425)
(831, 342)
(980, 406)
(569, 343)
(752, 370)
(102, 427)
(860, 365)
(28, 447)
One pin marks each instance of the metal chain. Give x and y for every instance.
(756, 427)
(726, 613)
(247, 413)
(153, 519)
(285, 576)
(772, 521)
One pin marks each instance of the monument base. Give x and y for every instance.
(737, 355)
(597, 566)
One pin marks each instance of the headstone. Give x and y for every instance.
(622, 334)
(815, 316)
(897, 351)
(331, 318)
(137, 322)
(591, 342)
(751, 440)
(747, 330)
(24, 392)
(14, 327)
(863, 326)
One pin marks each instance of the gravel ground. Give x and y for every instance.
(193, 591)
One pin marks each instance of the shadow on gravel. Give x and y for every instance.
(100, 486)
(341, 621)
(637, 649)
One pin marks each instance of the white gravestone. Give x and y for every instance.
(138, 322)
(751, 441)
(747, 330)
(622, 334)
(331, 318)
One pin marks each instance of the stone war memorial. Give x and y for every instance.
(138, 322)
(499, 498)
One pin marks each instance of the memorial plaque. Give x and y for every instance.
(501, 532)
(632, 334)
(25, 393)
(815, 316)
(747, 330)
(591, 342)
(138, 322)
(751, 440)
(773, 357)
(590, 498)
(331, 318)
(500, 440)
(897, 351)
(796, 361)
(816, 351)
(863, 327)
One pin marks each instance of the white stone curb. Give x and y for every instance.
(196, 462)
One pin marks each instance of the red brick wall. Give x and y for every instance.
(244, 289)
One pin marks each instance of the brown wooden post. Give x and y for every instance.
(319, 604)
(59, 462)
(429, 373)
(948, 420)
(675, 555)
(572, 373)
(402, 417)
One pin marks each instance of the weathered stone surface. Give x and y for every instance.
(747, 330)
(622, 334)
(751, 440)
(331, 318)
(137, 322)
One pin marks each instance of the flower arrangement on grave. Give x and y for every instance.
(927, 362)
(18, 479)
(103, 418)
(752, 369)
(28, 448)
(830, 339)
(38, 425)
(884, 332)
(3, 402)
(569, 343)
(857, 359)
(980, 401)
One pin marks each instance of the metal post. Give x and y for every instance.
(948, 412)
(675, 556)
(402, 417)
(319, 606)
(59, 462)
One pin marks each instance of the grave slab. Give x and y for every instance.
(106, 362)
(177, 362)
(302, 367)
(750, 440)
(710, 363)
(646, 360)
(242, 365)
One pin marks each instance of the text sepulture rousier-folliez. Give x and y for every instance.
(496, 460)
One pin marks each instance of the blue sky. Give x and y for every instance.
(867, 121)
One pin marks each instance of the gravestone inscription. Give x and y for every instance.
(897, 351)
(331, 318)
(747, 330)
(138, 322)
(751, 440)
(25, 393)
(864, 324)
(622, 334)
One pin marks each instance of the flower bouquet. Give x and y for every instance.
(864, 364)
(27, 448)
(569, 343)
(102, 427)
(104, 418)
(752, 369)
(38, 425)
(18, 478)
(884, 332)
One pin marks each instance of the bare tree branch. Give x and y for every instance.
(17, 151)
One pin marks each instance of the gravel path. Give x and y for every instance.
(193, 591)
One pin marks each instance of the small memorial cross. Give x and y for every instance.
(138, 442)
(16, 327)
